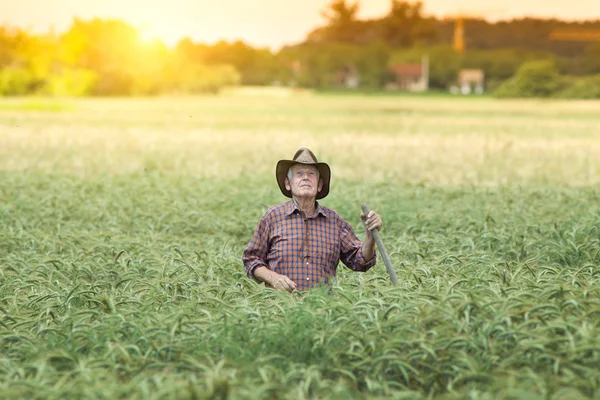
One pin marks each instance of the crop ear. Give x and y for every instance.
(320, 186)
(287, 184)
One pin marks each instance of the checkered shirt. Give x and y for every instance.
(306, 250)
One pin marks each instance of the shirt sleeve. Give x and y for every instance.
(351, 250)
(255, 254)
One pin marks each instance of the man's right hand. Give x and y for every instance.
(275, 280)
(282, 282)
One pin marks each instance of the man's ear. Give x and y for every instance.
(287, 184)
(320, 186)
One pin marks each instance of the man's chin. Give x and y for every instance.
(305, 194)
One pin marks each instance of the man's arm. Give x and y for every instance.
(255, 253)
(357, 255)
(368, 246)
(372, 221)
(255, 256)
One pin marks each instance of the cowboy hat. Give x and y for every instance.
(303, 156)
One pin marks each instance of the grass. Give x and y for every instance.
(122, 224)
(34, 104)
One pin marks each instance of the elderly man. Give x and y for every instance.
(299, 244)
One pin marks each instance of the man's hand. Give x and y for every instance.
(282, 282)
(371, 221)
(275, 280)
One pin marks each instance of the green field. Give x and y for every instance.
(122, 224)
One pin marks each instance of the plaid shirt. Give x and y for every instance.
(306, 250)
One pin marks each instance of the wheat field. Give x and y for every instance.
(122, 223)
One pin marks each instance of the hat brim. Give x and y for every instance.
(284, 165)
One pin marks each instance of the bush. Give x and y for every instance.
(582, 88)
(16, 82)
(533, 79)
(70, 82)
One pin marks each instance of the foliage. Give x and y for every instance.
(592, 59)
(16, 82)
(101, 57)
(107, 47)
(497, 48)
(405, 25)
(325, 65)
(372, 64)
(255, 66)
(541, 79)
(108, 57)
(533, 79)
(70, 82)
(528, 34)
(122, 225)
(582, 88)
(342, 21)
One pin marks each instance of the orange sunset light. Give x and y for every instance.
(272, 23)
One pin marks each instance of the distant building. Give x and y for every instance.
(471, 81)
(410, 77)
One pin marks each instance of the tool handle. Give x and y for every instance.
(381, 247)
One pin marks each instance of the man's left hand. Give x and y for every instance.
(371, 221)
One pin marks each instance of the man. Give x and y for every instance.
(299, 244)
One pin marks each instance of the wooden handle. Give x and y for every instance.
(381, 247)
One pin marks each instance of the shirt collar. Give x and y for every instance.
(291, 208)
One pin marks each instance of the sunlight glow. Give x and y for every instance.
(147, 36)
(150, 34)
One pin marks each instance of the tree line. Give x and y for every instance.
(108, 57)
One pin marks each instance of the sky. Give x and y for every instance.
(264, 23)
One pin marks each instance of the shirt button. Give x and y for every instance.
(307, 263)
(307, 278)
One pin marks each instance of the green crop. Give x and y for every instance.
(122, 224)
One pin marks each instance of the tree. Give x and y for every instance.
(327, 65)
(342, 23)
(340, 13)
(257, 66)
(404, 24)
(26, 61)
(592, 59)
(107, 47)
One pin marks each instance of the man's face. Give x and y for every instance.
(305, 182)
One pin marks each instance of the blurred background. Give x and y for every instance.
(133, 48)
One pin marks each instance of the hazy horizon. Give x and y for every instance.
(264, 23)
